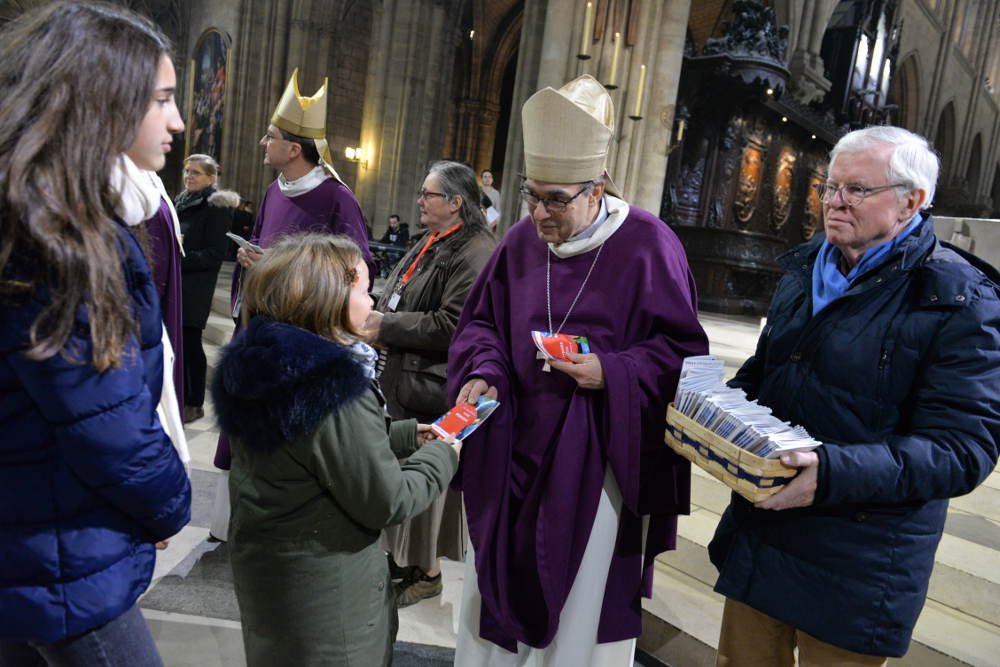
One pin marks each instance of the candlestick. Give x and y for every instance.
(637, 107)
(588, 33)
(615, 55)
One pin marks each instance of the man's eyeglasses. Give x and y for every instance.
(268, 138)
(427, 194)
(851, 194)
(552, 204)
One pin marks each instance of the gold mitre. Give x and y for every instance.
(567, 133)
(305, 117)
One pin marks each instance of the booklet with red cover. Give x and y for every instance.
(459, 422)
(555, 346)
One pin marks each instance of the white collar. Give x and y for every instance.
(138, 195)
(611, 216)
(303, 184)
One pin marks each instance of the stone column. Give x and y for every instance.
(805, 64)
(654, 133)
(259, 72)
(406, 103)
(526, 83)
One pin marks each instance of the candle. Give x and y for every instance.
(588, 31)
(613, 79)
(637, 109)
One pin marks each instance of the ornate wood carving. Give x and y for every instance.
(748, 185)
(812, 215)
(784, 178)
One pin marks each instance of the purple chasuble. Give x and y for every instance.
(166, 259)
(532, 475)
(329, 208)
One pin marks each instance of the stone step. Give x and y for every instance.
(218, 329)
(964, 590)
(681, 624)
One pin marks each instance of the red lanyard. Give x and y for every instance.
(431, 240)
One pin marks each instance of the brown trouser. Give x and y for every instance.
(750, 638)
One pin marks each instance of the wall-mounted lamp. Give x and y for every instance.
(355, 154)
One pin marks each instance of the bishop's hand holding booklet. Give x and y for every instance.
(555, 346)
(459, 422)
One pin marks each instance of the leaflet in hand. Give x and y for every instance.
(243, 243)
(459, 422)
(555, 346)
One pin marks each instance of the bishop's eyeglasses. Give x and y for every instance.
(851, 194)
(552, 204)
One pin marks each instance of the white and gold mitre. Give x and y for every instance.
(305, 117)
(567, 133)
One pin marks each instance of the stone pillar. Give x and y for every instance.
(653, 135)
(808, 83)
(259, 72)
(406, 103)
(526, 83)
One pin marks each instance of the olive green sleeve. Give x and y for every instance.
(354, 460)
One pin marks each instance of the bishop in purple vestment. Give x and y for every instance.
(585, 263)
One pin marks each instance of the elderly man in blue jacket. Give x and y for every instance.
(884, 344)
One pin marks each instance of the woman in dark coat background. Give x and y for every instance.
(205, 215)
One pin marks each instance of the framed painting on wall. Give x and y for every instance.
(207, 73)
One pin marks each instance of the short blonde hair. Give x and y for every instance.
(305, 280)
(207, 162)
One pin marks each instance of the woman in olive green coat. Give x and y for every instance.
(315, 474)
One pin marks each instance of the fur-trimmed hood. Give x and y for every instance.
(224, 199)
(276, 382)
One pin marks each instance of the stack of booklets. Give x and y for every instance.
(703, 396)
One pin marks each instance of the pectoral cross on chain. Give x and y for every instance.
(545, 366)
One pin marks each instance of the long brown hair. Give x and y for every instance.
(305, 280)
(76, 80)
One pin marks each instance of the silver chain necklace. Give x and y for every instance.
(548, 287)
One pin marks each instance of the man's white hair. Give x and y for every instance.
(914, 163)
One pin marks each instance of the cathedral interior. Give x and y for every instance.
(726, 113)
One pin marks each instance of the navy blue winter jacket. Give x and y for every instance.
(900, 378)
(88, 479)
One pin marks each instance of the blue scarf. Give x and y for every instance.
(829, 284)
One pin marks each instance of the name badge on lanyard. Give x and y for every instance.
(393, 301)
(397, 292)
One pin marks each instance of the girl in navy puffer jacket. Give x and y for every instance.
(89, 482)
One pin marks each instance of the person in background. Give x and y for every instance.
(242, 225)
(491, 194)
(413, 322)
(396, 234)
(569, 488)
(885, 346)
(205, 215)
(90, 485)
(315, 470)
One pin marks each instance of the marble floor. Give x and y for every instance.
(191, 608)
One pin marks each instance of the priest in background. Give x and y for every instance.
(570, 491)
(307, 196)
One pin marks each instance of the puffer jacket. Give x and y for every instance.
(900, 378)
(88, 479)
